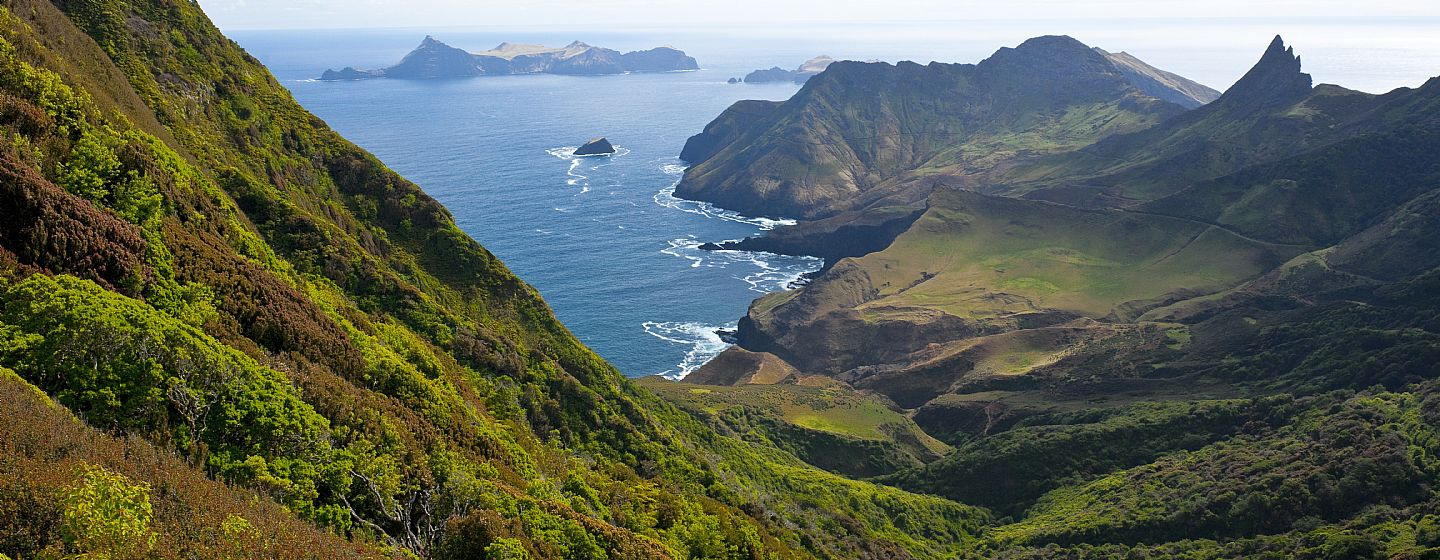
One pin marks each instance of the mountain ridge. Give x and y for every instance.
(433, 59)
(1128, 342)
(888, 144)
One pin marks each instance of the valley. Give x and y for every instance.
(1104, 305)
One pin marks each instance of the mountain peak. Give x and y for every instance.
(1053, 63)
(1053, 53)
(1052, 44)
(1278, 44)
(1275, 80)
(431, 42)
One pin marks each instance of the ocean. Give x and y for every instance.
(603, 240)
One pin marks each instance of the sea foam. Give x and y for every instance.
(762, 272)
(703, 340)
(567, 153)
(666, 197)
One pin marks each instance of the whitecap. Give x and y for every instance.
(563, 152)
(575, 179)
(771, 273)
(666, 197)
(567, 153)
(704, 343)
(688, 248)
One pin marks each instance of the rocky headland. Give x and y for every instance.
(799, 75)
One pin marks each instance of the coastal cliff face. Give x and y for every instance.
(434, 59)
(860, 133)
(1119, 335)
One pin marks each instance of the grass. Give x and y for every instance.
(988, 257)
(1179, 336)
(824, 409)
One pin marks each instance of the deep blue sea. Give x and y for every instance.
(600, 237)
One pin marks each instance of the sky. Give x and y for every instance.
(323, 14)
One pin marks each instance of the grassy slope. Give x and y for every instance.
(976, 266)
(971, 248)
(832, 427)
(232, 248)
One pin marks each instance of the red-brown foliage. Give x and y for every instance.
(40, 457)
(45, 226)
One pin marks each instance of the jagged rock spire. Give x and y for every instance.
(1275, 80)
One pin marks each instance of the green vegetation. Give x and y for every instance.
(1009, 470)
(193, 265)
(105, 514)
(226, 332)
(830, 427)
(69, 489)
(1214, 337)
(1337, 457)
(970, 248)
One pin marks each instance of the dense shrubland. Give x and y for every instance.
(192, 263)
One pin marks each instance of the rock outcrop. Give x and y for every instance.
(596, 147)
(1276, 80)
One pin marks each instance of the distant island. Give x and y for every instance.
(777, 74)
(435, 59)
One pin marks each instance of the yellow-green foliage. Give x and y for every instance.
(106, 515)
(297, 320)
(506, 548)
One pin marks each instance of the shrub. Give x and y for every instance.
(107, 513)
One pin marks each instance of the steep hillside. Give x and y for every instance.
(822, 422)
(67, 487)
(1215, 337)
(189, 259)
(864, 132)
(1162, 85)
(1271, 114)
